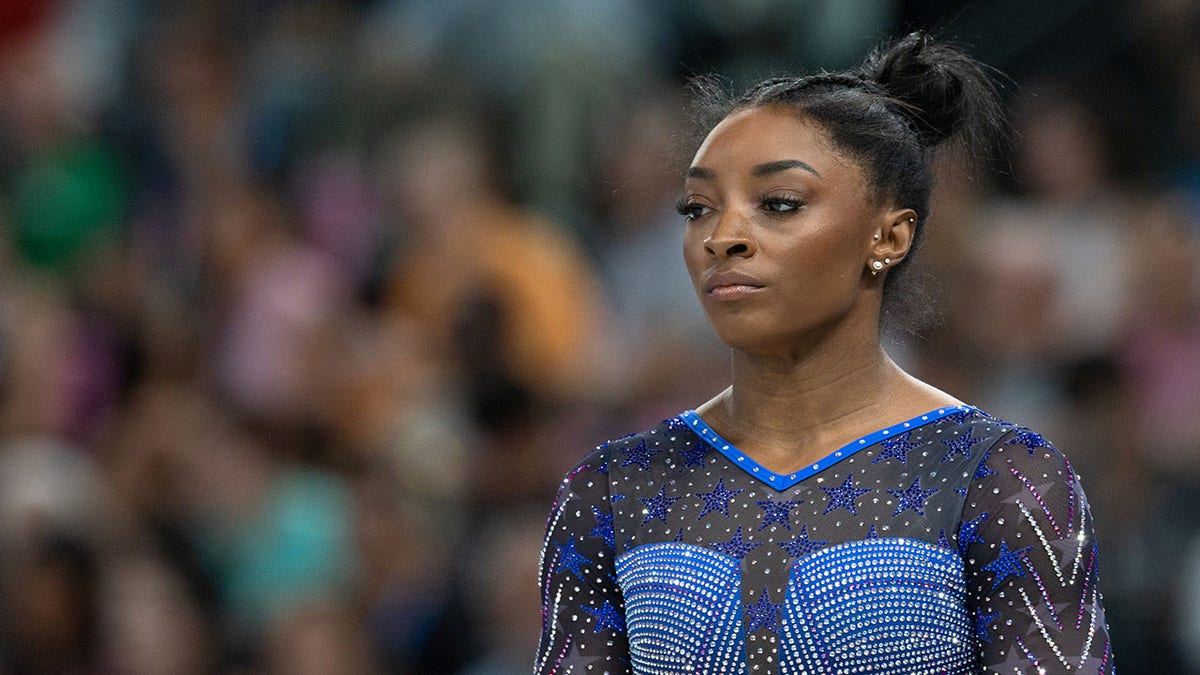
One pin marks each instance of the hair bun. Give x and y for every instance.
(943, 91)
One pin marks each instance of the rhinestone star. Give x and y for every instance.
(604, 527)
(982, 623)
(912, 498)
(718, 499)
(1030, 440)
(1007, 564)
(694, 455)
(982, 471)
(778, 512)
(570, 559)
(639, 454)
(968, 532)
(802, 545)
(606, 616)
(656, 507)
(897, 448)
(762, 614)
(960, 445)
(736, 547)
(844, 495)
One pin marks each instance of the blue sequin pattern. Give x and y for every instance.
(682, 609)
(887, 606)
(952, 542)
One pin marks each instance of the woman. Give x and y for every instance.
(827, 513)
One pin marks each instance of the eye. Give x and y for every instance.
(781, 204)
(691, 210)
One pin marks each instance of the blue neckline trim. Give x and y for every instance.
(781, 481)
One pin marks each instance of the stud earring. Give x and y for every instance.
(911, 219)
(877, 265)
(887, 261)
(876, 235)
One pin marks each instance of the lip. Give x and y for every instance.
(730, 285)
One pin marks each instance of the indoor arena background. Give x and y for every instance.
(306, 307)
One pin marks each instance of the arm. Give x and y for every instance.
(583, 613)
(1031, 563)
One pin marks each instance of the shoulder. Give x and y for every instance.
(1022, 472)
(652, 450)
(1014, 447)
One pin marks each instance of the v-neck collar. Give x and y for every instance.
(783, 481)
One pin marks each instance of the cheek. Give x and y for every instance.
(694, 256)
(830, 257)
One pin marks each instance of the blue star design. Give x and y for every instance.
(778, 512)
(897, 448)
(762, 614)
(675, 424)
(1007, 564)
(570, 559)
(656, 507)
(872, 534)
(942, 540)
(802, 545)
(606, 616)
(604, 527)
(1030, 440)
(718, 499)
(982, 622)
(736, 547)
(639, 454)
(912, 498)
(968, 532)
(960, 445)
(844, 495)
(694, 455)
(982, 471)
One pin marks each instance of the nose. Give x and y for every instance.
(729, 239)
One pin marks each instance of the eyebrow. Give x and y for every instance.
(759, 170)
(782, 165)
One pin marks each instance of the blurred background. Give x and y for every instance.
(306, 306)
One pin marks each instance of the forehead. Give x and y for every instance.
(753, 136)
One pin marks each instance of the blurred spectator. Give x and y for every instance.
(657, 330)
(512, 295)
(305, 306)
(504, 590)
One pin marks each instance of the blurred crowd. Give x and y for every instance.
(306, 306)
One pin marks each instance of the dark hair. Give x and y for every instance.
(889, 114)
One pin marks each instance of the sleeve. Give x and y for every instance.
(583, 612)
(1031, 561)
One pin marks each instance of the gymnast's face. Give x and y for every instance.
(780, 230)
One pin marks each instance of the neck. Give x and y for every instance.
(787, 408)
(794, 396)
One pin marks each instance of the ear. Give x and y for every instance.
(891, 239)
